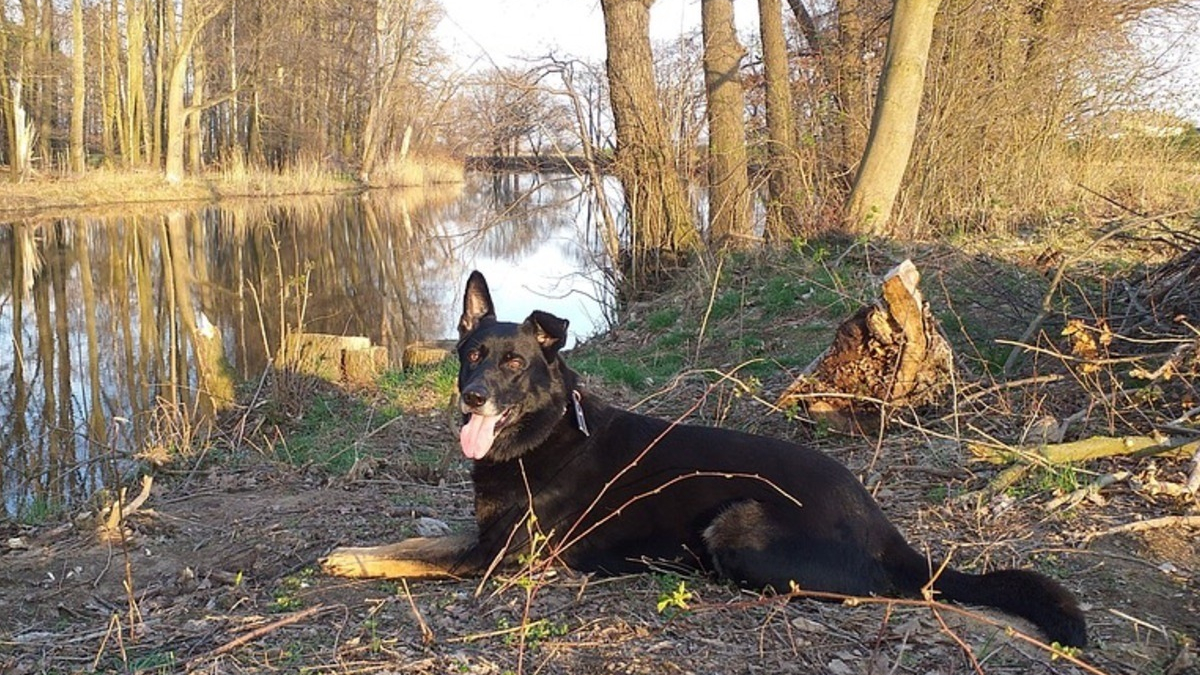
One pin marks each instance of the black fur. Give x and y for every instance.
(759, 511)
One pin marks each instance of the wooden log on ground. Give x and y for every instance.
(419, 354)
(889, 354)
(336, 358)
(1085, 449)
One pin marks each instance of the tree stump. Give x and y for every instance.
(336, 358)
(889, 354)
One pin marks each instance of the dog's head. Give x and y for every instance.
(510, 377)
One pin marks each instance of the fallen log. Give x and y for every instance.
(1084, 449)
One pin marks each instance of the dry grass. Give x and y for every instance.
(119, 187)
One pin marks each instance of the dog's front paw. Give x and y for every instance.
(345, 561)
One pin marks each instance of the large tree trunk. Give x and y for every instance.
(850, 79)
(890, 354)
(114, 121)
(894, 124)
(193, 25)
(78, 92)
(195, 114)
(135, 97)
(658, 207)
(729, 224)
(784, 178)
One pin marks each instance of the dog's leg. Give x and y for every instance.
(418, 558)
(754, 545)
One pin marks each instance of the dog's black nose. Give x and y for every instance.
(474, 398)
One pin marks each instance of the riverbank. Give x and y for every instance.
(215, 572)
(98, 188)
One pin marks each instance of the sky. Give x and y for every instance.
(476, 30)
(480, 33)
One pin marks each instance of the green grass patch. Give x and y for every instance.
(640, 371)
(289, 592)
(326, 434)
(420, 388)
(662, 319)
(726, 305)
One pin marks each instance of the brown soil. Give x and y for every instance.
(216, 574)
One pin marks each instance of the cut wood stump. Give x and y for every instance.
(418, 354)
(336, 358)
(889, 354)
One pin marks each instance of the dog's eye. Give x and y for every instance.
(514, 363)
(474, 356)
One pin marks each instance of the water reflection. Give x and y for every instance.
(107, 319)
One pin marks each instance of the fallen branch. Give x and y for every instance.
(1072, 498)
(1085, 449)
(118, 513)
(257, 633)
(1143, 525)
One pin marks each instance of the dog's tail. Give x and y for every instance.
(1026, 594)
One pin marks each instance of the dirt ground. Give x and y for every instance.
(216, 572)
(222, 579)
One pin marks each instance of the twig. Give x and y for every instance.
(932, 605)
(257, 633)
(1019, 348)
(1152, 524)
(427, 637)
(1076, 496)
(712, 298)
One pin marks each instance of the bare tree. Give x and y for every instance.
(894, 123)
(662, 228)
(193, 23)
(784, 178)
(729, 224)
(78, 87)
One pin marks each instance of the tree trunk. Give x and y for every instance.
(135, 97)
(195, 115)
(851, 81)
(889, 354)
(729, 224)
(114, 121)
(78, 91)
(162, 53)
(784, 177)
(894, 123)
(193, 25)
(654, 195)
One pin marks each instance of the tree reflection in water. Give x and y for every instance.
(107, 321)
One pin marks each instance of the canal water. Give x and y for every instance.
(99, 311)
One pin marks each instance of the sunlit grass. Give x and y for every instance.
(235, 179)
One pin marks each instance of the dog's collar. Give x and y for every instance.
(576, 406)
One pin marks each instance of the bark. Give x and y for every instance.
(661, 217)
(195, 114)
(729, 224)
(890, 354)
(135, 95)
(114, 121)
(851, 81)
(784, 175)
(78, 91)
(193, 25)
(894, 123)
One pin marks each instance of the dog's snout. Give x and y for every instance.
(474, 397)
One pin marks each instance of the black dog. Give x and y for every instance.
(615, 491)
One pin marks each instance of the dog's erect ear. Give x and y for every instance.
(477, 304)
(549, 330)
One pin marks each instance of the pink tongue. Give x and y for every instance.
(477, 435)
